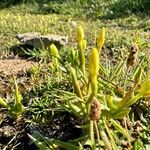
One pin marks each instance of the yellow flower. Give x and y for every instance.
(101, 39)
(94, 63)
(82, 47)
(54, 51)
(80, 33)
(93, 70)
(82, 44)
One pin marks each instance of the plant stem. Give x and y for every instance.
(105, 140)
(97, 134)
(92, 136)
(125, 81)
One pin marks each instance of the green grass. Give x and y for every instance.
(14, 21)
(48, 92)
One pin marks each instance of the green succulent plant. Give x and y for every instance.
(17, 109)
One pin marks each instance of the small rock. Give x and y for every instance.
(42, 41)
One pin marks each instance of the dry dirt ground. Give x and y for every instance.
(12, 66)
(9, 67)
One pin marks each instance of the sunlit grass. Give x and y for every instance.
(67, 83)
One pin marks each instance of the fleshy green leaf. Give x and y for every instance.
(121, 129)
(18, 108)
(122, 113)
(3, 103)
(67, 145)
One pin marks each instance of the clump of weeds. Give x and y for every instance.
(101, 96)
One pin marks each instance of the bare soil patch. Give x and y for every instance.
(14, 66)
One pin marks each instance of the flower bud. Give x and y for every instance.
(132, 56)
(82, 44)
(95, 109)
(80, 33)
(54, 51)
(82, 47)
(93, 64)
(101, 39)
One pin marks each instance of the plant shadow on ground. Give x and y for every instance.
(14, 133)
(20, 50)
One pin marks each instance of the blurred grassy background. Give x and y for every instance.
(126, 20)
(86, 8)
